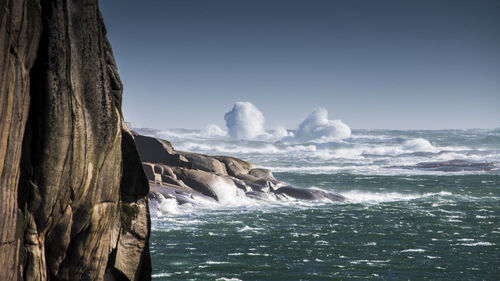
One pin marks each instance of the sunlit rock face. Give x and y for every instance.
(73, 196)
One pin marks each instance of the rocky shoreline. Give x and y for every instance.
(186, 176)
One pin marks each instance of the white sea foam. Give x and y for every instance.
(317, 127)
(160, 275)
(231, 198)
(413, 251)
(181, 134)
(378, 197)
(228, 148)
(357, 196)
(241, 148)
(217, 262)
(419, 145)
(227, 193)
(244, 121)
(168, 206)
(478, 244)
(370, 152)
(248, 228)
(277, 134)
(212, 131)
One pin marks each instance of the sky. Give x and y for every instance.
(374, 64)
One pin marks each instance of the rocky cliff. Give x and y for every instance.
(73, 194)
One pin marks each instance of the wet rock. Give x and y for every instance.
(198, 180)
(308, 194)
(261, 195)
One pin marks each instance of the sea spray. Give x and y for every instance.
(212, 131)
(244, 121)
(318, 127)
(419, 145)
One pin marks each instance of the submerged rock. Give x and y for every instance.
(308, 194)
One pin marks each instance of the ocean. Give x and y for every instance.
(422, 205)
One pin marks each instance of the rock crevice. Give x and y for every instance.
(69, 168)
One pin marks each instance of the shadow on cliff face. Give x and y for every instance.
(66, 154)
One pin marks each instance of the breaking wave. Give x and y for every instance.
(244, 121)
(370, 152)
(317, 127)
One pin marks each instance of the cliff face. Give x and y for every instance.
(73, 202)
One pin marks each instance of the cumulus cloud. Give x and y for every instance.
(244, 121)
(317, 127)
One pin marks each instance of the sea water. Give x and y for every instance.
(422, 204)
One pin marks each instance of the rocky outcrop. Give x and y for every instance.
(213, 177)
(73, 194)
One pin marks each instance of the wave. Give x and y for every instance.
(244, 121)
(317, 127)
(231, 199)
(373, 152)
(419, 145)
(357, 196)
(213, 131)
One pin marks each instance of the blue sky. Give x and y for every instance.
(401, 64)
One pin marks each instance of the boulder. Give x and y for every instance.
(204, 162)
(182, 195)
(235, 166)
(167, 171)
(308, 194)
(198, 180)
(149, 170)
(158, 169)
(154, 150)
(261, 195)
(170, 180)
(262, 174)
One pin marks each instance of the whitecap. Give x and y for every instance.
(477, 244)
(419, 145)
(413, 251)
(163, 274)
(216, 262)
(357, 196)
(248, 228)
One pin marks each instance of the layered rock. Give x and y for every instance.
(73, 194)
(186, 176)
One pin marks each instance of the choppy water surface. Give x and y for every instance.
(405, 220)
